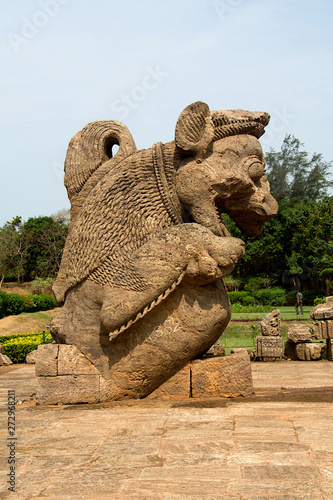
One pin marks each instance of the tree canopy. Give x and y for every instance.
(295, 246)
(294, 176)
(32, 248)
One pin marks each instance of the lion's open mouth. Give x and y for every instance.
(250, 222)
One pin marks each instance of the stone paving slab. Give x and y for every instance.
(243, 449)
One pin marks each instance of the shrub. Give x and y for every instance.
(272, 297)
(3, 304)
(241, 297)
(42, 285)
(291, 298)
(29, 305)
(13, 303)
(43, 302)
(16, 347)
(240, 308)
(319, 300)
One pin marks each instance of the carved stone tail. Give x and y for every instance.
(89, 158)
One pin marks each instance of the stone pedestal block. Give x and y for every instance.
(46, 360)
(225, 376)
(72, 362)
(65, 375)
(68, 389)
(269, 348)
(329, 347)
(74, 379)
(177, 387)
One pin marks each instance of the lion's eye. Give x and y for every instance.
(256, 169)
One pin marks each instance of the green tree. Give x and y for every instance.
(297, 242)
(293, 175)
(45, 239)
(13, 249)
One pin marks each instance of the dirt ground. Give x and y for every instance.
(24, 288)
(26, 322)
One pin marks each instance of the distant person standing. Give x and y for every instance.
(299, 302)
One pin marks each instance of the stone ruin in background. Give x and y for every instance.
(299, 345)
(141, 278)
(269, 346)
(322, 328)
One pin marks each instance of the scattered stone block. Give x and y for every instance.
(269, 348)
(4, 360)
(47, 360)
(310, 351)
(305, 351)
(237, 350)
(71, 361)
(323, 311)
(323, 329)
(31, 357)
(329, 349)
(271, 324)
(67, 389)
(223, 376)
(290, 349)
(216, 349)
(299, 333)
(177, 387)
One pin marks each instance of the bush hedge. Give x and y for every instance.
(266, 297)
(319, 300)
(243, 298)
(271, 296)
(16, 347)
(14, 303)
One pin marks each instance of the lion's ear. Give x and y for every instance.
(195, 128)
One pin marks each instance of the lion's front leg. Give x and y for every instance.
(186, 252)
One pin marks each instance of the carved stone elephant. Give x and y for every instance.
(141, 275)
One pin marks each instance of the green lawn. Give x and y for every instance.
(287, 313)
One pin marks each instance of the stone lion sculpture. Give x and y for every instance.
(141, 277)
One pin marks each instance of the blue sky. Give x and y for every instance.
(69, 62)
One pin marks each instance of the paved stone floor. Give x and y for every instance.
(276, 445)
